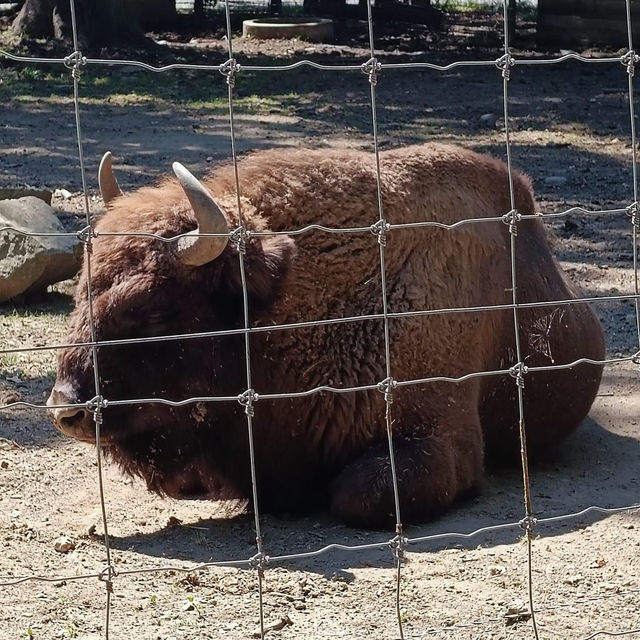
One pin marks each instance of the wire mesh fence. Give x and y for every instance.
(396, 542)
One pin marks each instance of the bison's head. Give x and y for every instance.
(145, 288)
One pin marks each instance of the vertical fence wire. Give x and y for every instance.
(97, 404)
(372, 68)
(631, 60)
(247, 398)
(519, 369)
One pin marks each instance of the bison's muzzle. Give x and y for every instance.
(75, 421)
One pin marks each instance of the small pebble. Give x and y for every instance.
(62, 193)
(64, 544)
(278, 625)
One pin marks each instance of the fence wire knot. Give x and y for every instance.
(74, 62)
(504, 64)
(398, 544)
(239, 238)
(528, 523)
(247, 399)
(107, 575)
(633, 211)
(259, 561)
(635, 358)
(518, 372)
(630, 60)
(229, 70)
(380, 229)
(386, 387)
(97, 404)
(511, 219)
(372, 68)
(85, 235)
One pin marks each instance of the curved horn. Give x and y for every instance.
(109, 188)
(193, 249)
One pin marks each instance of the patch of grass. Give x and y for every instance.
(9, 362)
(125, 87)
(27, 326)
(194, 605)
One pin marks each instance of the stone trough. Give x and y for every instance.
(312, 29)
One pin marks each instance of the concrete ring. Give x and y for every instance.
(313, 29)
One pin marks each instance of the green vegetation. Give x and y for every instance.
(71, 630)
(122, 86)
(465, 6)
(20, 323)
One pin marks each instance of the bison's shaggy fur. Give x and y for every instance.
(328, 446)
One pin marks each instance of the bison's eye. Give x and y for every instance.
(157, 323)
(139, 320)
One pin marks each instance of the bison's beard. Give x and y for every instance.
(173, 455)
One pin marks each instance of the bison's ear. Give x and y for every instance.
(109, 188)
(267, 262)
(195, 249)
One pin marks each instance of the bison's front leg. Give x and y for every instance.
(434, 467)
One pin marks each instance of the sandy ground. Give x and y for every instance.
(570, 122)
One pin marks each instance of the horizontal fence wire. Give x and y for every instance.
(231, 71)
(327, 322)
(418, 224)
(222, 67)
(105, 402)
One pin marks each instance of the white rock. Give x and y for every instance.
(64, 544)
(62, 193)
(488, 118)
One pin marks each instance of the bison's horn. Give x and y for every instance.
(109, 188)
(194, 249)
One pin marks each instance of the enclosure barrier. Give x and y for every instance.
(381, 229)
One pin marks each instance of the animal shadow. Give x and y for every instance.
(594, 467)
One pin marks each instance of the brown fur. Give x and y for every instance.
(327, 444)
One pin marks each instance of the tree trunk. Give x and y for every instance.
(99, 22)
(35, 18)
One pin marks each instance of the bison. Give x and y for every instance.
(325, 446)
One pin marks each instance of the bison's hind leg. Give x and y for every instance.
(434, 468)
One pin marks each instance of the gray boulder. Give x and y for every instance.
(29, 263)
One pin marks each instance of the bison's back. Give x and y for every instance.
(338, 276)
(427, 268)
(338, 188)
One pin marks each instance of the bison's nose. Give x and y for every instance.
(73, 421)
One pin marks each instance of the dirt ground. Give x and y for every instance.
(571, 135)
